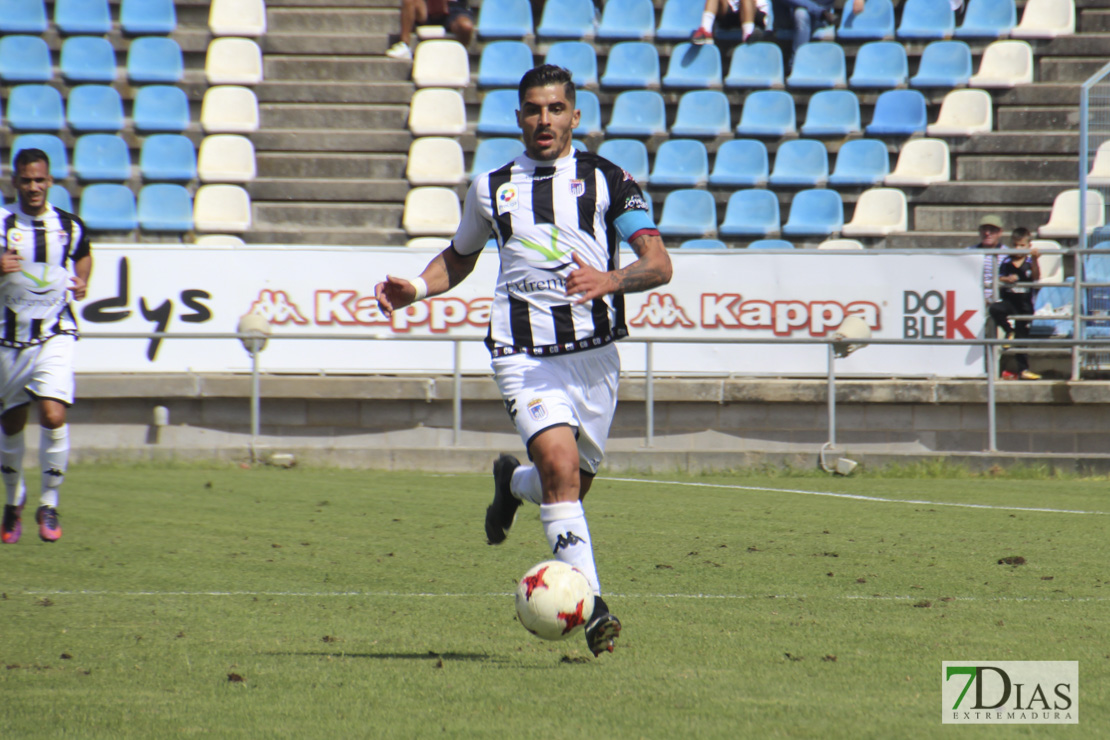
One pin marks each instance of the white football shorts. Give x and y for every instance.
(40, 371)
(578, 390)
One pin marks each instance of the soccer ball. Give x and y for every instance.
(554, 600)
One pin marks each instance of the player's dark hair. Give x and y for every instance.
(544, 75)
(1020, 233)
(30, 156)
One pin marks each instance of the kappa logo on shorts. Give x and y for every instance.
(507, 198)
(537, 410)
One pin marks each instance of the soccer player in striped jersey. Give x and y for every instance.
(37, 334)
(558, 216)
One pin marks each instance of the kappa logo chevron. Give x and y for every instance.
(570, 539)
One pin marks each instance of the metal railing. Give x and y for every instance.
(253, 343)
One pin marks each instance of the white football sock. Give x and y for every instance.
(747, 28)
(526, 484)
(707, 20)
(53, 460)
(564, 524)
(11, 467)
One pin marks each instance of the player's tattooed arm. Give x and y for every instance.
(650, 270)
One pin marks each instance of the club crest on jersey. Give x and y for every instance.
(63, 238)
(507, 198)
(577, 188)
(537, 410)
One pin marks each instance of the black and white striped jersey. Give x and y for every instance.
(540, 213)
(55, 238)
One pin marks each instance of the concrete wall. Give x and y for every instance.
(698, 424)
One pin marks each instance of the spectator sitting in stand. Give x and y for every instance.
(454, 15)
(1015, 273)
(753, 17)
(808, 15)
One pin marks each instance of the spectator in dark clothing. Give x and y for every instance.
(1015, 275)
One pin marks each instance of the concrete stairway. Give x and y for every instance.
(333, 141)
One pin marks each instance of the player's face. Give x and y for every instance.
(31, 183)
(547, 120)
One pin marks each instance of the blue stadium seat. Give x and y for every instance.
(898, 113)
(757, 65)
(497, 116)
(1061, 298)
(503, 63)
(819, 65)
(767, 113)
(156, 59)
(875, 23)
(138, 17)
(880, 64)
(35, 108)
(679, 19)
(108, 206)
(740, 163)
(860, 162)
(24, 59)
(566, 19)
(101, 157)
(631, 64)
(52, 145)
(590, 107)
(944, 64)
(802, 163)
(165, 207)
(82, 16)
(751, 213)
(815, 213)
(693, 67)
(832, 113)
(987, 19)
(578, 57)
(630, 155)
(163, 108)
(702, 113)
(579, 145)
(689, 213)
(22, 16)
(505, 19)
(88, 59)
(94, 108)
(680, 163)
(169, 157)
(771, 244)
(493, 153)
(926, 19)
(703, 244)
(637, 113)
(58, 197)
(627, 20)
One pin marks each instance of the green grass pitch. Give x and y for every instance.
(192, 601)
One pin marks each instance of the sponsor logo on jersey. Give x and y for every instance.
(635, 203)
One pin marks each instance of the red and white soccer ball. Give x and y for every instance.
(554, 600)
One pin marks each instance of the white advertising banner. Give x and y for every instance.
(186, 290)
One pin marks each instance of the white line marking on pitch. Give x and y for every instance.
(855, 496)
(506, 594)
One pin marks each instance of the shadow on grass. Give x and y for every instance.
(473, 657)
